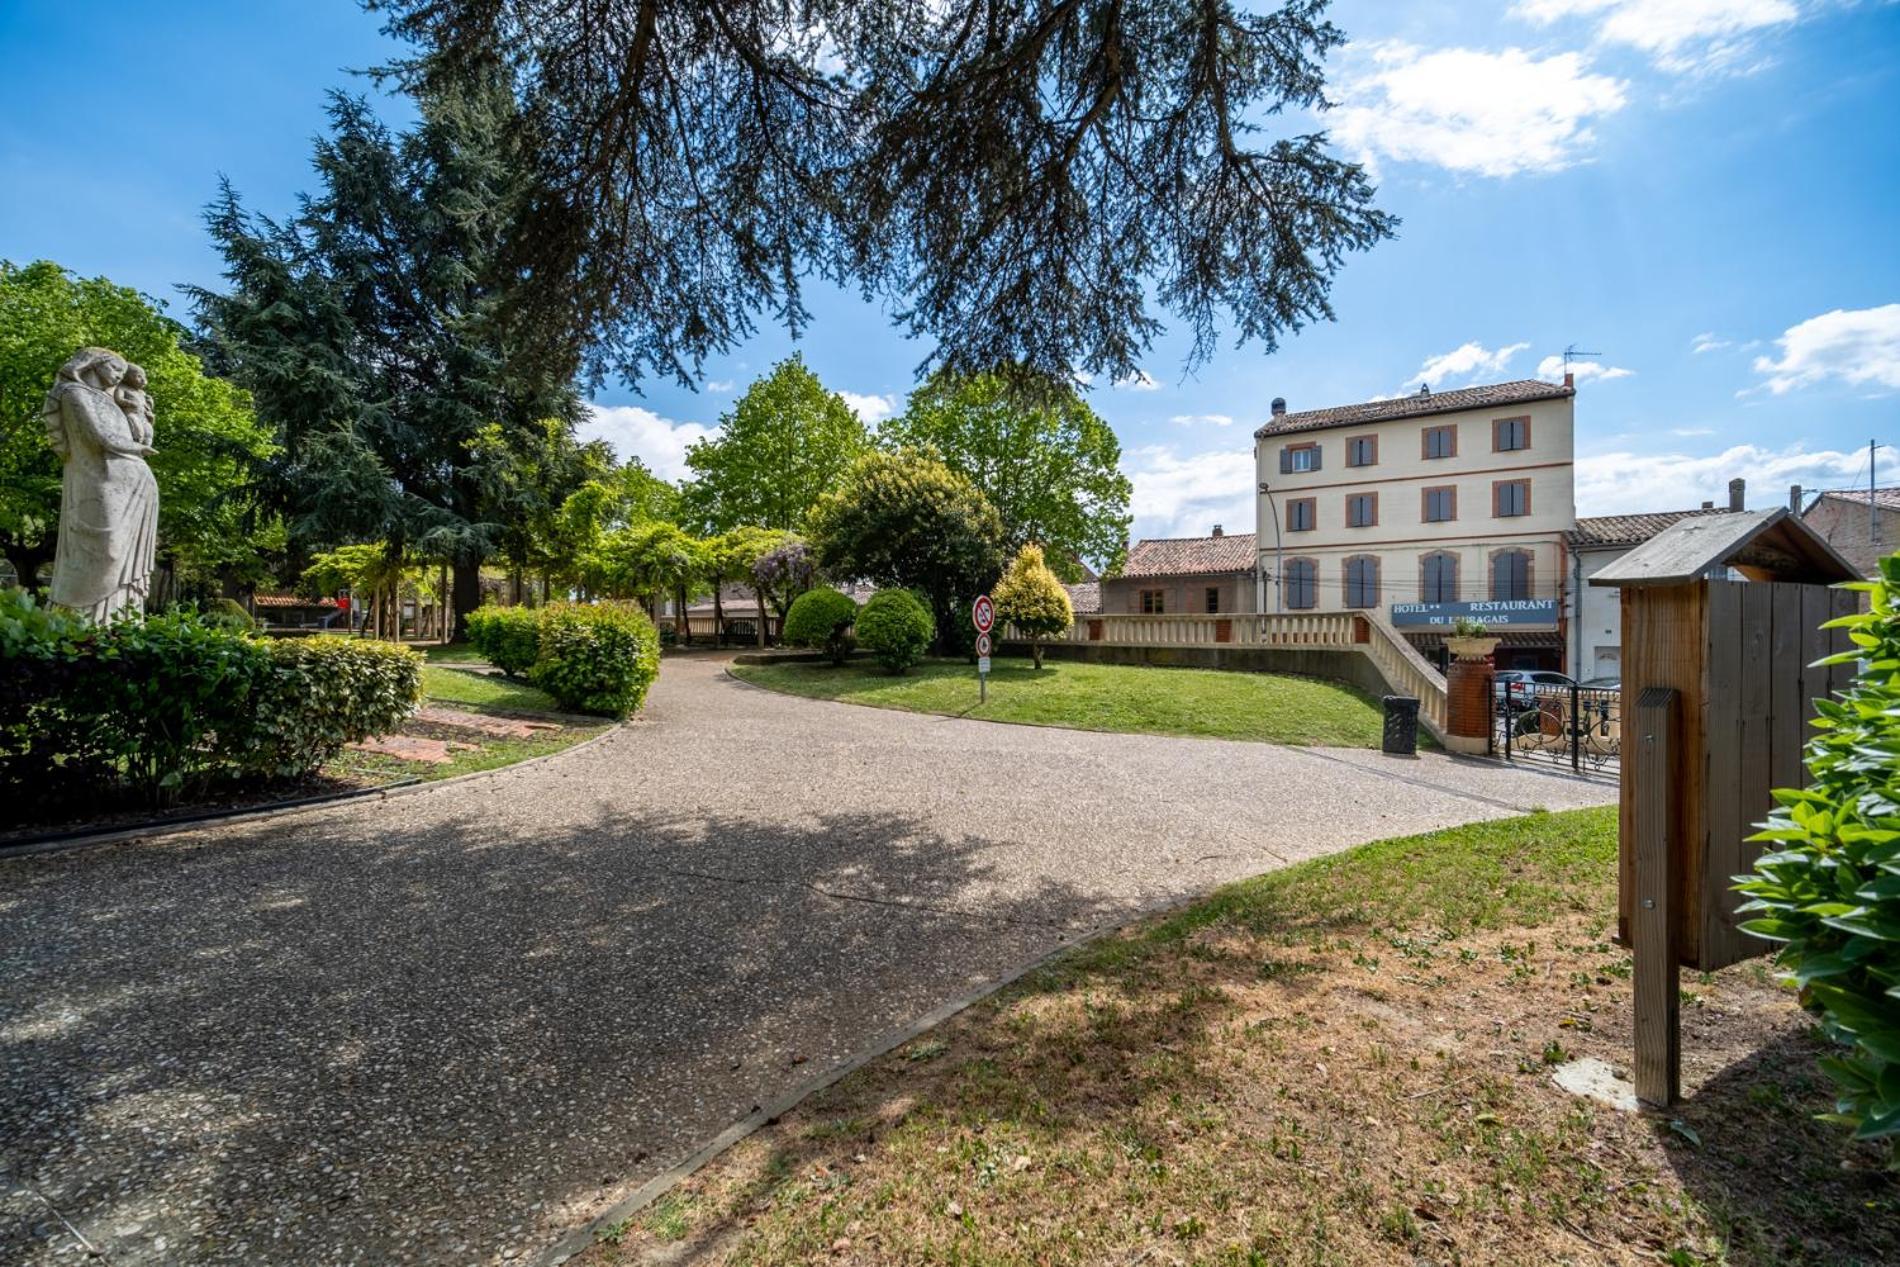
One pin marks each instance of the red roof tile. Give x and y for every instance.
(1192, 556)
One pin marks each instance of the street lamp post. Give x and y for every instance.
(1279, 554)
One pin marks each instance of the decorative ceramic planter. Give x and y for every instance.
(1479, 648)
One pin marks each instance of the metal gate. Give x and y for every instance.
(1575, 726)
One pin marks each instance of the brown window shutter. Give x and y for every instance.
(1286, 461)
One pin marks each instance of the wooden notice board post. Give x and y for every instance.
(1722, 619)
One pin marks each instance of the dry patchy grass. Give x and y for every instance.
(1346, 1062)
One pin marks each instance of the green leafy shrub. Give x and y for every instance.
(822, 618)
(166, 706)
(507, 637)
(896, 628)
(1830, 891)
(321, 694)
(1030, 597)
(597, 658)
(228, 613)
(154, 696)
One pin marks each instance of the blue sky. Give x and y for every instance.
(1703, 191)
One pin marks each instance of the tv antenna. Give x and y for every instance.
(1573, 353)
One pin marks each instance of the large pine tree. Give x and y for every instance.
(368, 328)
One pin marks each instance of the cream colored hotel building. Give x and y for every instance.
(1425, 507)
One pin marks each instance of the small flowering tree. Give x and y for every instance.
(1031, 598)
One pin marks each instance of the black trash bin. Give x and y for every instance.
(1401, 725)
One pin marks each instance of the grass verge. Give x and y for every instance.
(1345, 1062)
(1269, 707)
(484, 691)
(471, 752)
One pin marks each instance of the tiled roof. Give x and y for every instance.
(1192, 556)
(1885, 498)
(290, 600)
(1085, 598)
(1631, 530)
(1417, 405)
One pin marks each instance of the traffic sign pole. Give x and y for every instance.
(983, 616)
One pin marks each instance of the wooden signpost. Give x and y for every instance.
(1722, 619)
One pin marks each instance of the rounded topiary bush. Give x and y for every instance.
(597, 658)
(822, 618)
(228, 613)
(507, 637)
(896, 628)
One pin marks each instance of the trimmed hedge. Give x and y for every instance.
(897, 628)
(507, 637)
(597, 658)
(822, 618)
(166, 706)
(321, 694)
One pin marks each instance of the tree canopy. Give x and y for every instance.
(1026, 180)
(208, 440)
(784, 444)
(908, 520)
(1029, 596)
(368, 328)
(1045, 460)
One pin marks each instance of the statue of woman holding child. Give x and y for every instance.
(99, 420)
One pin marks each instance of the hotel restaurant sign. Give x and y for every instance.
(1495, 613)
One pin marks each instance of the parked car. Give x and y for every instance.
(1602, 683)
(1522, 682)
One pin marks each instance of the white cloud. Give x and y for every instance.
(1681, 36)
(1212, 420)
(1687, 432)
(872, 409)
(1467, 360)
(1140, 382)
(1491, 113)
(1625, 483)
(720, 385)
(1861, 347)
(1176, 496)
(1708, 342)
(1552, 368)
(633, 432)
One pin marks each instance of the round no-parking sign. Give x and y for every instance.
(983, 645)
(983, 612)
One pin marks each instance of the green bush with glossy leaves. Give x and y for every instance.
(896, 628)
(1830, 890)
(597, 657)
(320, 694)
(507, 637)
(165, 706)
(822, 618)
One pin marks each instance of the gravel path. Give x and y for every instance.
(448, 1027)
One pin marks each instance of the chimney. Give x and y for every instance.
(1708, 505)
(1570, 380)
(1216, 531)
(1279, 406)
(1794, 498)
(1735, 490)
(1424, 389)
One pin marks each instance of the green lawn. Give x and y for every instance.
(452, 653)
(484, 691)
(1261, 706)
(1346, 1061)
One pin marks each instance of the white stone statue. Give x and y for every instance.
(99, 420)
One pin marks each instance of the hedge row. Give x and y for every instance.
(166, 706)
(591, 657)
